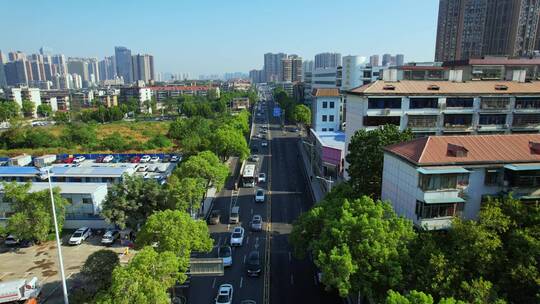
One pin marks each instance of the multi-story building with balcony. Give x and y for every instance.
(433, 179)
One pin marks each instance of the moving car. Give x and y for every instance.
(225, 252)
(110, 237)
(234, 216)
(108, 159)
(259, 196)
(225, 294)
(264, 143)
(154, 159)
(256, 222)
(253, 264)
(215, 217)
(80, 235)
(254, 158)
(261, 178)
(237, 236)
(79, 159)
(145, 159)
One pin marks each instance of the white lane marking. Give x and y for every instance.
(241, 281)
(244, 258)
(214, 283)
(292, 279)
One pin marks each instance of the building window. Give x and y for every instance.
(324, 129)
(491, 177)
(325, 104)
(331, 129)
(423, 103)
(433, 182)
(459, 102)
(332, 104)
(384, 103)
(87, 200)
(324, 118)
(331, 118)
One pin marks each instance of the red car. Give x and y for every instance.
(68, 160)
(99, 159)
(136, 159)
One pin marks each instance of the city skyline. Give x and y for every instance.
(206, 34)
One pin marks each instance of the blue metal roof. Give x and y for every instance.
(441, 170)
(444, 200)
(14, 170)
(522, 167)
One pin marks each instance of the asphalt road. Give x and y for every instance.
(290, 280)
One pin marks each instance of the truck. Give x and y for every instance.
(20, 161)
(19, 290)
(45, 160)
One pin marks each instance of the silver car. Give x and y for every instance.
(256, 223)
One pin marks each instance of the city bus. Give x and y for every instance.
(248, 176)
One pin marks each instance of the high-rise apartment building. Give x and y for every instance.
(386, 59)
(16, 72)
(124, 63)
(107, 68)
(291, 69)
(374, 60)
(473, 28)
(78, 66)
(272, 66)
(61, 64)
(327, 60)
(400, 59)
(93, 70)
(143, 67)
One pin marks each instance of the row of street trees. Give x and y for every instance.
(294, 112)
(363, 248)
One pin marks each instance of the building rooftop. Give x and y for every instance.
(179, 88)
(333, 92)
(496, 60)
(67, 188)
(331, 139)
(469, 149)
(18, 171)
(92, 171)
(428, 87)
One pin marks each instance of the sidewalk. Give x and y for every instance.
(317, 190)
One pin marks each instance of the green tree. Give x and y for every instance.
(416, 297)
(193, 134)
(8, 109)
(115, 142)
(61, 117)
(131, 202)
(44, 110)
(28, 107)
(158, 141)
(230, 142)
(205, 165)
(176, 232)
(33, 207)
(366, 156)
(302, 115)
(81, 134)
(186, 193)
(145, 279)
(359, 245)
(98, 268)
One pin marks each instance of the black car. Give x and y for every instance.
(253, 264)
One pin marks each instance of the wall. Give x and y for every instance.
(318, 123)
(354, 109)
(400, 186)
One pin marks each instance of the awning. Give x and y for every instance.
(523, 167)
(441, 170)
(444, 200)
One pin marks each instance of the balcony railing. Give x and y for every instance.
(454, 126)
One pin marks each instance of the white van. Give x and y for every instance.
(234, 217)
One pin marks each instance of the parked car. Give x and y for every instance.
(225, 294)
(174, 158)
(259, 196)
(253, 264)
(68, 160)
(225, 252)
(79, 159)
(136, 159)
(154, 159)
(99, 159)
(11, 241)
(256, 223)
(237, 236)
(145, 159)
(215, 217)
(80, 235)
(108, 159)
(261, 178)
(142, 168)
(110, 237)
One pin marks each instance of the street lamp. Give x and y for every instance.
(329, 182)
(46, 174)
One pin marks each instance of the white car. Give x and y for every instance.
(174, 159)
(80, 235)
(264, 143)
(108, 159)
(225, 252)
(79, 159)
(261, 178)
(11, 240)
(145, 159)
(142, 168)
(154, 159)
(259, 196)
(110, 237)
(225, 294)
(237, 236)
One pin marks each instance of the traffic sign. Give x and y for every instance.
(277, 112)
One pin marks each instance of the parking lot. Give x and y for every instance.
(42, 261)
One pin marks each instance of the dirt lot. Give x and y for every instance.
(42, 261)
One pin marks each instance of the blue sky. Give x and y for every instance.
(205, 36)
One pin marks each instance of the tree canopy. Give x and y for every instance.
(98, 268)
(205, 165)
(366, 156)
(44, 110)
(28, 108)
(302, 114)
